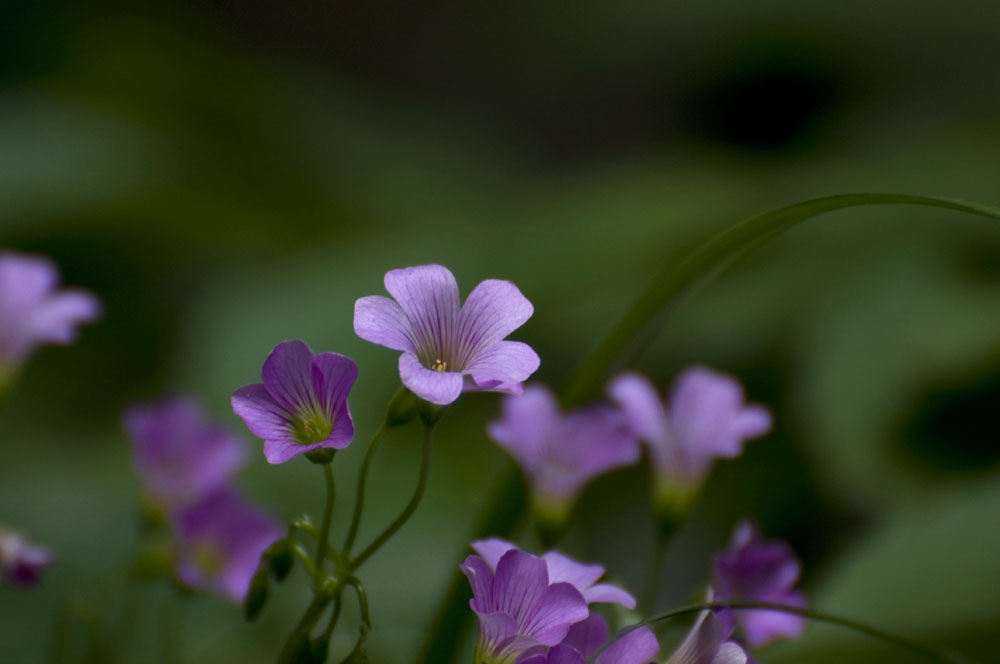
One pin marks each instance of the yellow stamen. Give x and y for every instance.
(439, 365)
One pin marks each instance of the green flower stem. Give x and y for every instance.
(905, 644)
(359, 500)
(307, 562)
(655, 575)
(411, 507)
(334, 617)
(320, 601)
(324, 531)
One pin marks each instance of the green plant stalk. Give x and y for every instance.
(411, 507)
(359, 500)
(324, 531)
(929, 654)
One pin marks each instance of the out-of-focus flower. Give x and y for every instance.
(302, 404)
(219, 541)
(179, 453)
(754, 569)
(33, 312)
(449, 347)
(21, 561)
(519, 607)
(705, 419)
(707, 643)
(562, 569)
(584, 638)
(561, 453)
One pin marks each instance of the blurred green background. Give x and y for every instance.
(228, 175)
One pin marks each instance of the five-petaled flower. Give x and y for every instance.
(21, 561)
(302, 404)
(449, 347)
(705, 419)
(219, 541)
(33, 312)
(561, 453)
(755, 569)
(179, 453)
(519, 607)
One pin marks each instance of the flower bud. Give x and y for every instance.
(280, 559)
(256, 597)
(402, 408)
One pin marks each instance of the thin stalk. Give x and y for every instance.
(411, 507)
(655, 575)
(324, 531)
(905, 644)
(304, 626)
(359, 500)
(334, 617)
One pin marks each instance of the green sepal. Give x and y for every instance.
(430, 413)
(257, 595)
(321, 455)
(402, 409)
(280, 559)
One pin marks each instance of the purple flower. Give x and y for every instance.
(705, 419)
(179, 453)
(519, 606)
(706, 643)
(32, 312)
(219, 541)
(449, 347)
(562, 569)
(21, 561)
(561, 453)
(584, 638)
(302, 404)
(752, 569)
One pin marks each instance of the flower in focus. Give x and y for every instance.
(449, 347)
(707, 643)
(584, 638)
(302, 404)
(179, 453)
(219, 541)
(21, 561)
(561, 453)
(754, 569)
(704, 419)
(562, 569)
(33, 312)
(519, 607)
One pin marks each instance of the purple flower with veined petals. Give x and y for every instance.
(33, 312)
(707, 643)
(302, 404)
(705, 419)
(561, 569)
(449, 347)
(179, 453)
(584, 638)
(21, 561)
(519, 607)
(219, 541)
(561, 453)
(754, 569)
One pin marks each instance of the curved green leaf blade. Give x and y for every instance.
(648, 315)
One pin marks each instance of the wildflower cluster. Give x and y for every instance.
(531, 609)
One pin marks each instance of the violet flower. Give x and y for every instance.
(754, 569)
(449, 347)
(219, 541)
(707, 643)
(562, 569)
(21, 561)
(519, 607)
(584, 638)
(179, 453)
(302, 404)
(704, 419)
(33, 312)
(561, 453)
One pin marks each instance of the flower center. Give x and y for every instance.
(310, 428)
(439, 365)
(209, 558)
